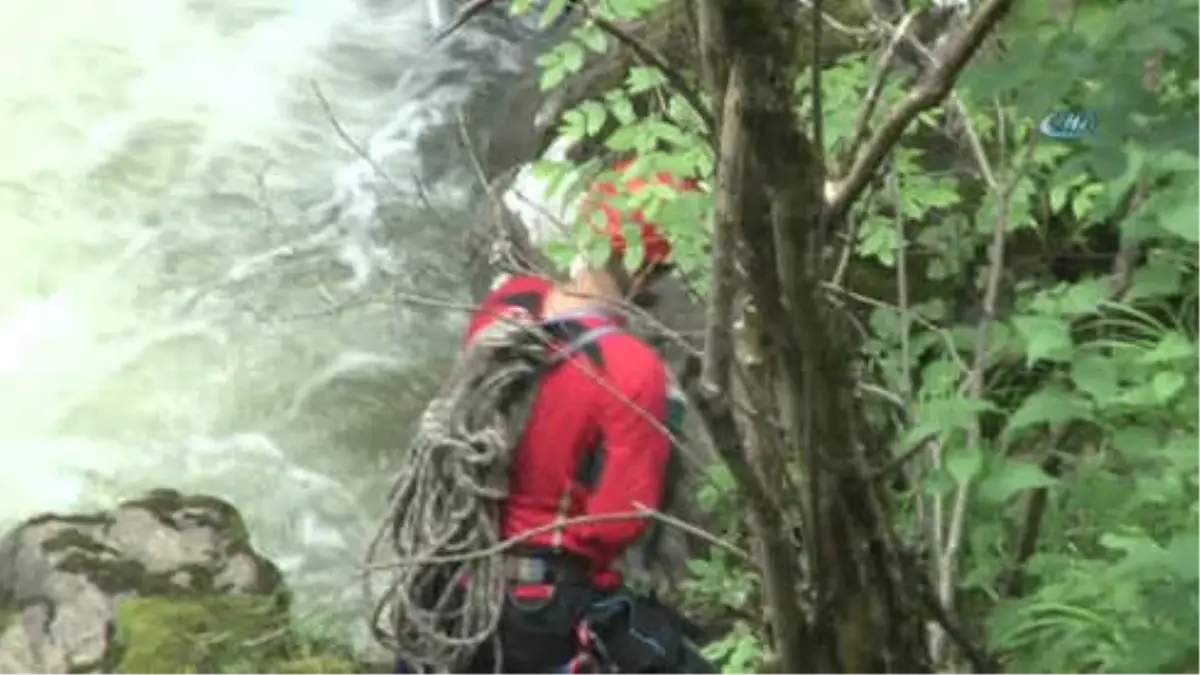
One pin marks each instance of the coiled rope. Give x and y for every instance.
(445, 503)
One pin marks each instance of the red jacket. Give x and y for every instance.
(586, 437)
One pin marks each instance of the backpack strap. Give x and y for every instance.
(560, 356)
(581, 341)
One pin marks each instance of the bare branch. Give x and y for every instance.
(834, 23)
(973, 140)
(350, 142)
(818, 107)
(875, 90)
(641, 512)
(973, 387)
(931, 90)
(464, 15)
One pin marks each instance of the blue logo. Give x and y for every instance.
(1068, 125)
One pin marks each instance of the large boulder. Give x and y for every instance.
(164, 583)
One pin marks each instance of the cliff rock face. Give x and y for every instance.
(66, 580)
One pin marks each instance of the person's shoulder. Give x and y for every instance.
(519, 283)
(523, 290)
(632, 363)
(516, 293)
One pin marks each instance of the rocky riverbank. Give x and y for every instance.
(167, 583)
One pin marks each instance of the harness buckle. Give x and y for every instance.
(527, 569)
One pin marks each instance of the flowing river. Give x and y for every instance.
(194, 256)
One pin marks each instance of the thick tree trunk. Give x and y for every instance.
(866, 617)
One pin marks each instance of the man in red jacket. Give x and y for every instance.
(597, 443)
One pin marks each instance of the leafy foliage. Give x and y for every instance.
(1089, 397)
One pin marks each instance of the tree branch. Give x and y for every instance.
(947, 564)
(863, 122)
(818, 107)
(931, 90)
(731, 176)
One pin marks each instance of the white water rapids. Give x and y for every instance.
(178, 216)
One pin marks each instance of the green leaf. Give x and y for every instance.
(620, 106)
(644, 78)
(1183, 556)
(634, 251)
(1180, 451)
(1136, 441)
(1083, 297)
(591, 37)
(1048, 338)
(941, 416)
(573, 127)
(554, 9)
(1011, 477)
(1096, 376)
(1142, 555)
(553, 73)
(572, 56)
(1183, 219)
(1173, 346)
(1167, 384)
(560, 252)
(1051, 405)
(878, 240)
(1155, 279)
(594, 114)
(964, 464)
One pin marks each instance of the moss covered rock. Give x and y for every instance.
(81, 593)
(197, 634)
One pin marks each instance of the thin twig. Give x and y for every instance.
(640, 512)
(862, 123)
(973, 388)
(350, 142)
(905, 320)
(465, 14)
(850, 238)
(464, 135)
(981, 661)
(835, 24)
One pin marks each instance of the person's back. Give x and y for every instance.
(595, 443)
(594, 450)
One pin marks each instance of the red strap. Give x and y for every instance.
(582, 662)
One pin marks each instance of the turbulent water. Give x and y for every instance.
(195, 259)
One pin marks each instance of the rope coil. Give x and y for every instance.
(447, 498)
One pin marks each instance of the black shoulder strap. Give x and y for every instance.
(580, 342)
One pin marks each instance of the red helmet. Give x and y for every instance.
(655, 246)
